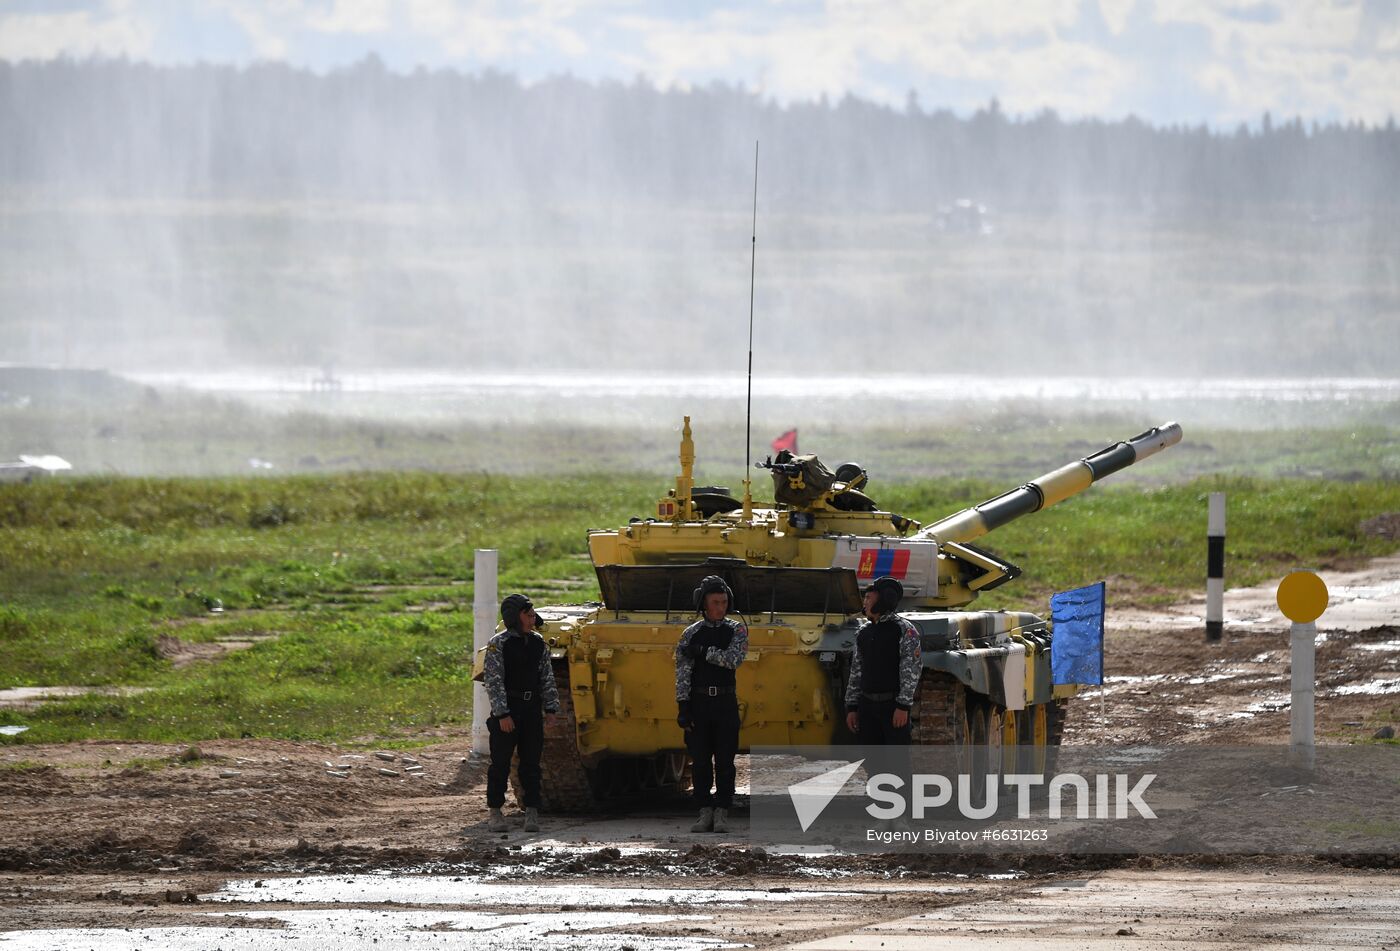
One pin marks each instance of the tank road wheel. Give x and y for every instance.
(984, 738)
(996, 735)
(655, 772)
(566, 784)
(1032, 735)
(1010, 724)
(677, 770)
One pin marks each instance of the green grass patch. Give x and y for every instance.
(149, 764)
(1375, 829)
(24, 766)
(357, 596)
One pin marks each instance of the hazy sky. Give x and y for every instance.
(1213, 61)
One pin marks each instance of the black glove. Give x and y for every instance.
(696, 650)
(683, 718)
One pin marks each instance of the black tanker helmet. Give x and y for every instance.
(712, 584)
(888, 593)
(511, 609)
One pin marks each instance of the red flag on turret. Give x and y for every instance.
(788, 441)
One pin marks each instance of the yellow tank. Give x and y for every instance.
(796, 566)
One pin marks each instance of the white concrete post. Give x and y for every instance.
(1302, 596)
(485, 609)
(1303, 650)
(1215, 566)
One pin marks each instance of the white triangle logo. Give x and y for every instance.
(811, 796)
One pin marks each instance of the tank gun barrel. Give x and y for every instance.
(1054, 486)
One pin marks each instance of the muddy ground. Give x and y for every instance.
(250, 805)
(111, 833)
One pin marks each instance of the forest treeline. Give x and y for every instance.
(119, 127)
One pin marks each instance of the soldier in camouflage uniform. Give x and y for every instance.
(885, 670)
(520, 684)
(707, 655)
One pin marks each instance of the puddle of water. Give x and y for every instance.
(1374, 688)
(356, 929)
(33, 696)
(1132, 756)
(1364, 592)
(516, 873)
(559, 846)
(447, 890)
(1215, 678)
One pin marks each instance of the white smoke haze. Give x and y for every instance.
(208, 217)
(448, 248)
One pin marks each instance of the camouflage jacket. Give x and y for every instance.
(910, 666)
(731, 657)
(494, 676)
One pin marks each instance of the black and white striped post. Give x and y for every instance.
(1215, 566)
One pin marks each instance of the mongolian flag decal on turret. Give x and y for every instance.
(878, 562)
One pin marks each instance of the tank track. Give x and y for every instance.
(941, 708)
(565, 783)
(940, 711)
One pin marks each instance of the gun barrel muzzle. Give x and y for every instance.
(1055, 486)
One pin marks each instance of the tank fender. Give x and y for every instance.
(980, 668)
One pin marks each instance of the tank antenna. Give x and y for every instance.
(748, 407)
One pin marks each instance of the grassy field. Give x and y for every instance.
(356, 589)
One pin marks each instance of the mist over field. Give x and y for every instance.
(206, 218)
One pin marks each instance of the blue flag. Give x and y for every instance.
(1076, 651)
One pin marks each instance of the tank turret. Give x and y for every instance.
(821, 522)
